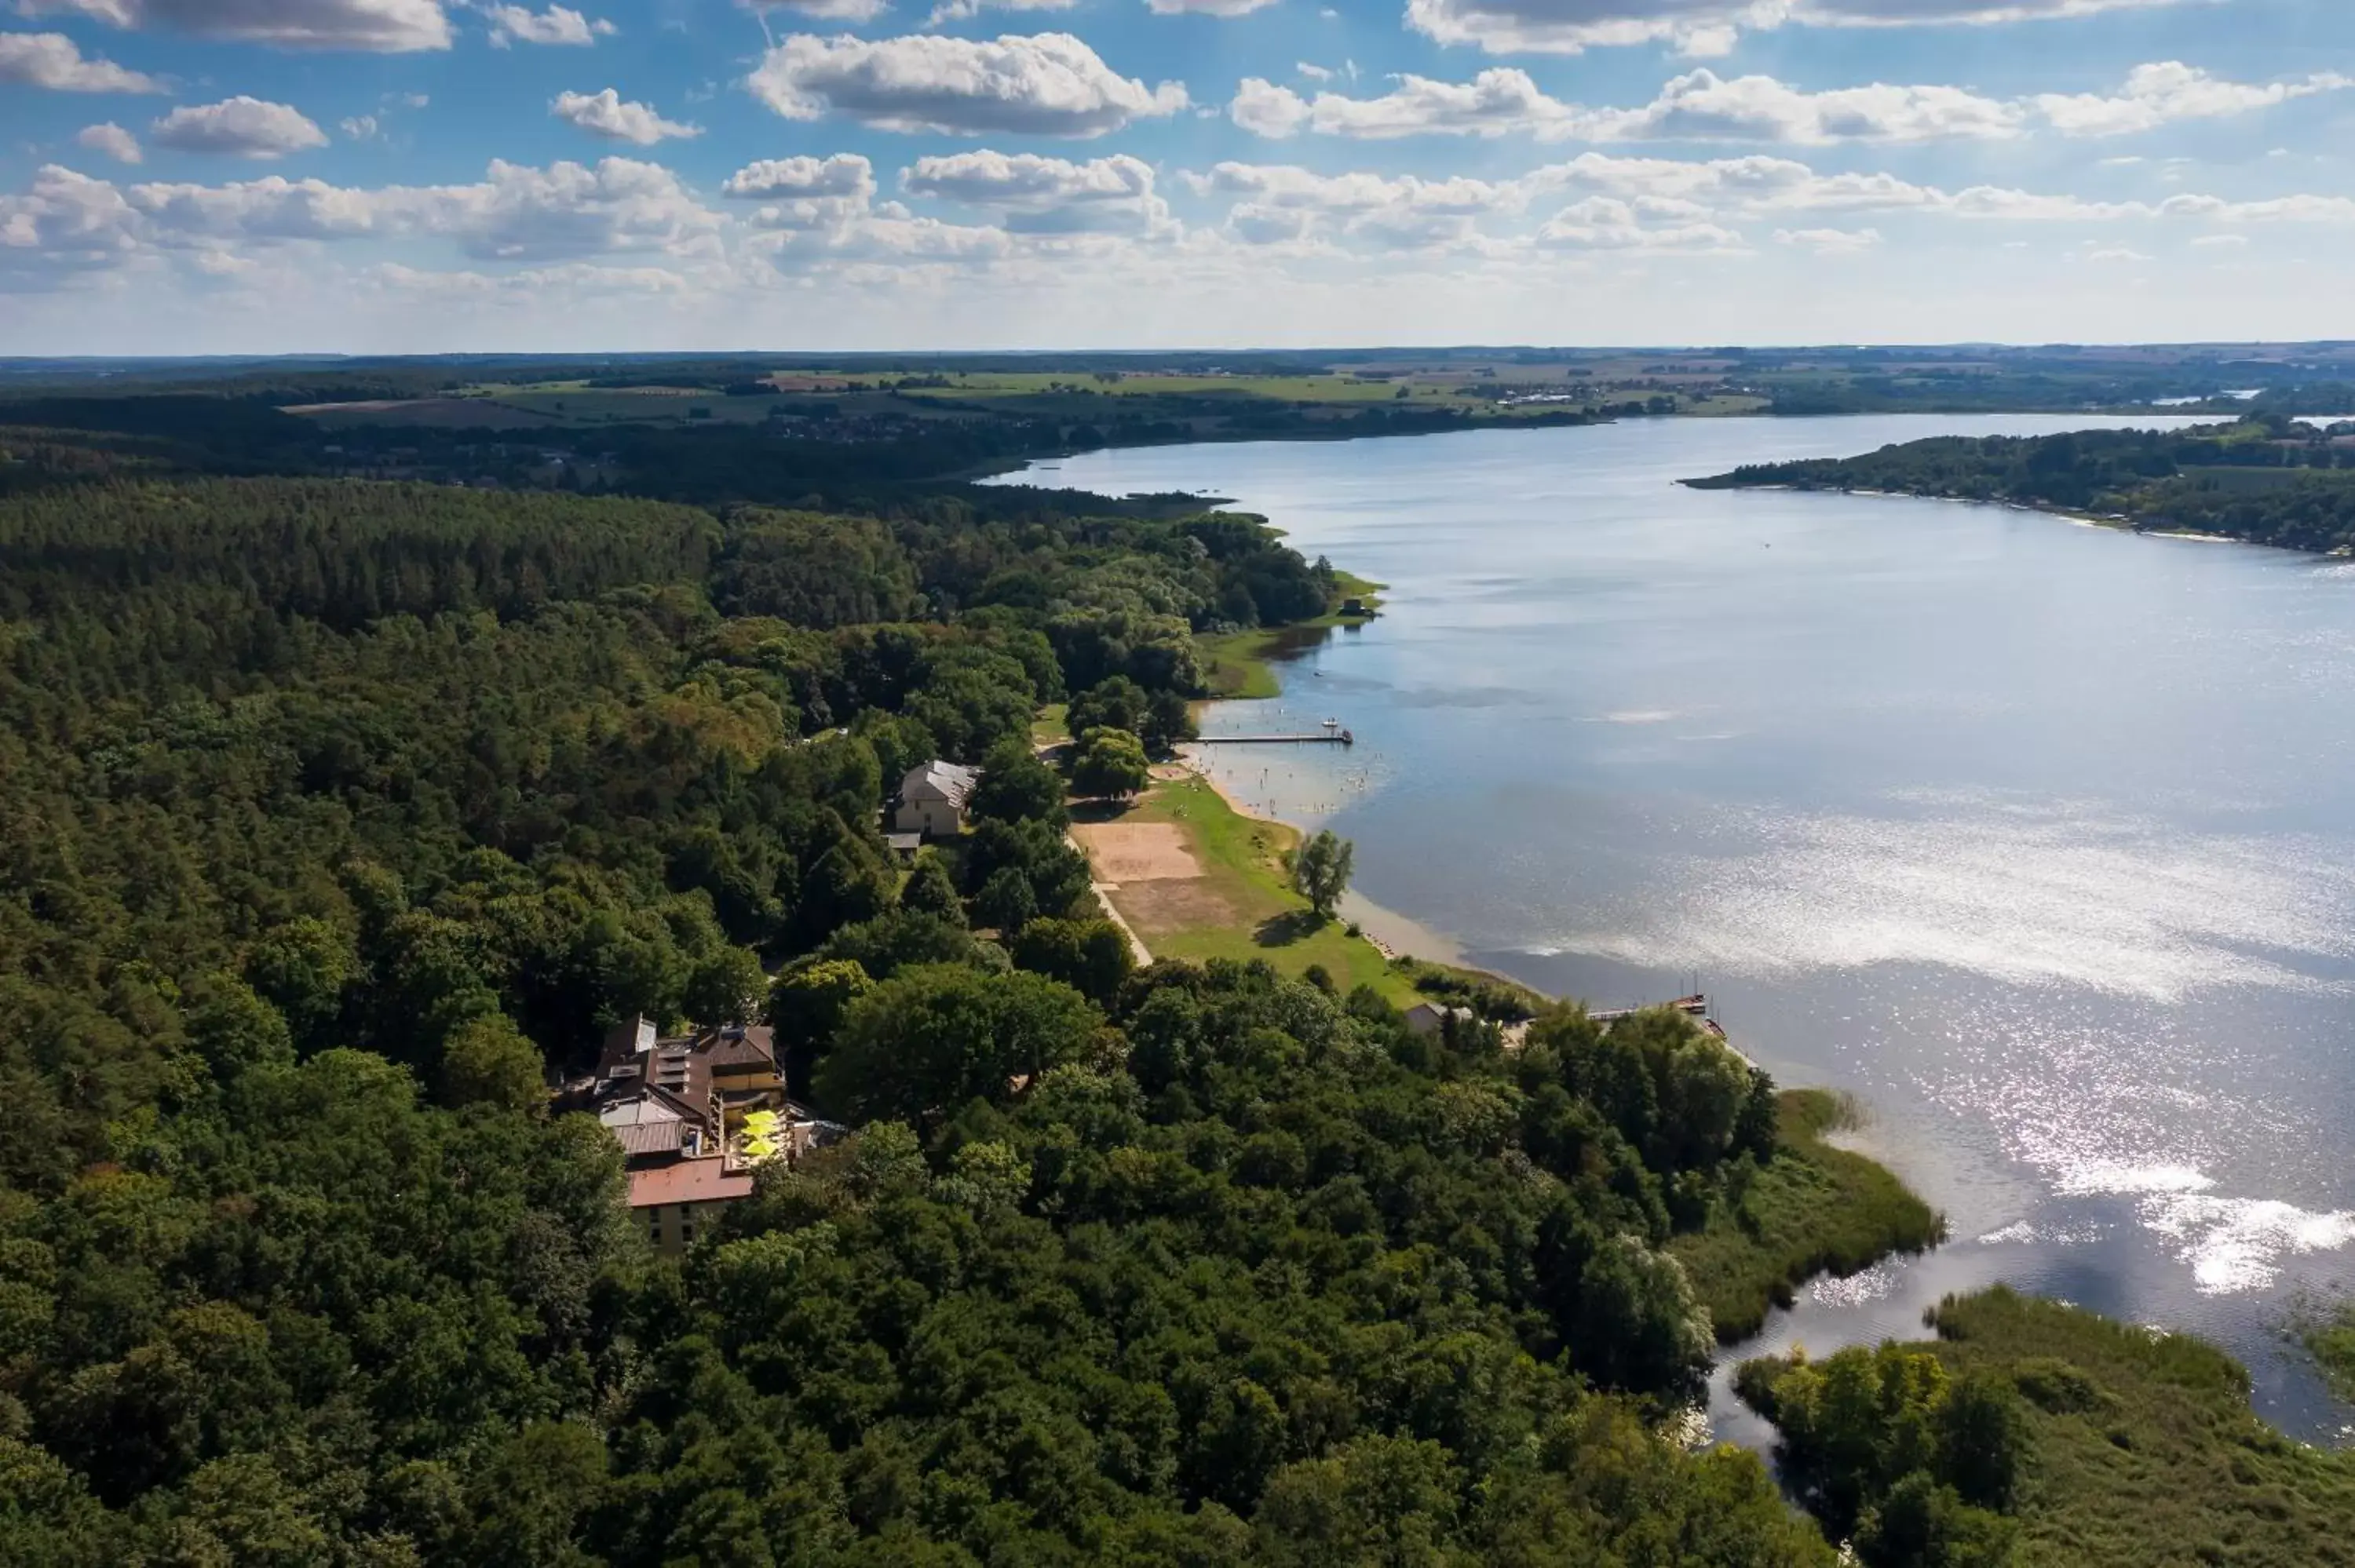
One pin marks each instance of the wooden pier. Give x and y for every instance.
(1331, 735)
(1341, 738)
(1695, 1006)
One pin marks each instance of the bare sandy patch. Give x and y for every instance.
(1124, 852)
(1159, 908)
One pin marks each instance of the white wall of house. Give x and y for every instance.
(933, 819)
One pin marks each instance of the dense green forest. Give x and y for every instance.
(2265, 479)
(340, 813)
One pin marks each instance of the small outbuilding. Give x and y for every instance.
(933, 799)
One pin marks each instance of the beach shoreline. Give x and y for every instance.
(1393, 935)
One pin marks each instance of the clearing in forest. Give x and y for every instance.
(1197, 880)
(1139, 852)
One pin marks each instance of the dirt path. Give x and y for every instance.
(1136, 948)
(1147, 865)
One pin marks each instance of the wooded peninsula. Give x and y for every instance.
(2266, 480)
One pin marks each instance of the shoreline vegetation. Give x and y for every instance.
(1815, 1209)
(2323, 1325)
(2262, 480)
(2066, 1438)
(1241, 665)
(2057, 1437)
(1811, 1208)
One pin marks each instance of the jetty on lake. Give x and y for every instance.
(1332, 735)
(1693, 1006)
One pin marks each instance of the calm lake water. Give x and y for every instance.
(2039, 838)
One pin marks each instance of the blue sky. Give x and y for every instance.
(396, 176)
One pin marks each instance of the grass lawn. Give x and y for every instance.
(1048, 727)
(1241, 905)
(1237, 665)
(1813, 1209)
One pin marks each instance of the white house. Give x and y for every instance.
(933, 799)
(1430, 1018)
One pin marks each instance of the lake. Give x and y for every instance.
(2037, 837)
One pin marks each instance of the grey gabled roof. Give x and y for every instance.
(939, 780)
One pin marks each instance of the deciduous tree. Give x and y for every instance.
(1110, 763)
(1320, 870)
(940, 1034)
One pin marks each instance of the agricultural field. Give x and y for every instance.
(1124, 399)
(1193, 403)
(575, 406)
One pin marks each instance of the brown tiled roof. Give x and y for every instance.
(651, 1140)
(621, 1063)
(678, 1067)
(688, 1181)
(739, 1046)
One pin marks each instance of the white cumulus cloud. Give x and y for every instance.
(1283, 204)
(805, 192)
(241, 127)
(1494, 103)
(1266, 109)
(557, 25)
(1703, 106)
(2169, 90)
(515, 213)
(1046, 195)
(843, 174)
(616, 119)
(384, 26)
(110, 138)
(1048, 84)
(1831, 241)
(52, 60)
(1698, 106)
(1704, 28)
(958, 10)
(1647, 224)
(823, 10)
